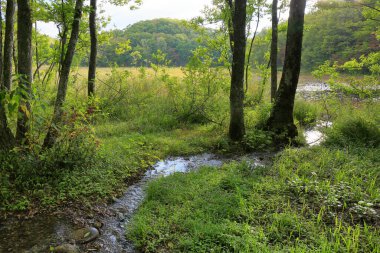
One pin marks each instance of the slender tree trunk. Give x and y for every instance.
(14, 55)
(1, 45)
(8, 43)
(7, 139)
(6, 136)
(230, 24)
(274, 50)
(64, 76)
(281, 119)
(250, 50)
(37, 71)
(24, 44)
(237, 128)
(94, 50)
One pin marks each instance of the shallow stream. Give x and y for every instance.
(39, 233)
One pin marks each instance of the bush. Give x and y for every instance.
(306, 113)
(355, 131)
(256, 139)
(257, 117)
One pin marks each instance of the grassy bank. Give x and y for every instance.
(311, 200)
(32, 184)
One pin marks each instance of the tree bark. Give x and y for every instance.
(1, 45)
(281, 119)
(94, 50)
(237, 128)
(8, 44)
(274, 50)
(7, 139)
(6, 136)
(24, 48)
(64, 76)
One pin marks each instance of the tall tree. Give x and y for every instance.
(7, 139)
(273, 50)
(8, 44)
(1, 43)
(237, 128)
(94, 49)
(281, 119)
(64, 75)
(24, 48)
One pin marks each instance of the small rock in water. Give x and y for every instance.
(98, 224)
(66, 248)
(85, 235)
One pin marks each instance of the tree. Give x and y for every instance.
(281, 119)
(1, 43)
(24, 49)
(64, 76)
(94, 49)
(7, 139)
(273, 50)
(8, 44)
(238, 11)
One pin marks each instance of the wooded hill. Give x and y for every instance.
(336, 33)
(175, 38)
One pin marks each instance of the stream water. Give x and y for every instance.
(39, 233)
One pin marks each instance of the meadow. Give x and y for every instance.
(322, 199)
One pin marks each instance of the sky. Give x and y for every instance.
(122, 16)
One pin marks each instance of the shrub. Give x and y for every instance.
(355, 131)
(256, 139)
(305, 112)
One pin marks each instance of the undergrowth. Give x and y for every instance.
(311, 200)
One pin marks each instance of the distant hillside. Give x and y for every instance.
(173, 37)
(335, 34)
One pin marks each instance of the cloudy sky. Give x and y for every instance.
(122, 16)
(150, 9)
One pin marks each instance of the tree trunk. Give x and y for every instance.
(281, 119)
(7, 140)
(273, 51)
(94, 49)
(237, 128)
(8, 43)
(64, 76)
(6, 136)
(24, 48)
(1, 45)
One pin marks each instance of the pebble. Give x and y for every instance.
(85, 235)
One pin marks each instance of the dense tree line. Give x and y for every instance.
(336, 32)
(175, 38)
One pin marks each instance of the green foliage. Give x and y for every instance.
(306, 113)
(258, 116)
(332, 33)
(311, 200)
(256, 139)
(202, 97)
(353, 131)
(362, 88)
(174, 38)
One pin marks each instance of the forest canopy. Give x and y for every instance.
(175, 38)
(337, 33)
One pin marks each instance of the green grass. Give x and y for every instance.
(121, 156)
(310, 200)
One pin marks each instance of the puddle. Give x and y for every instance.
(34, 235)
(315, 136)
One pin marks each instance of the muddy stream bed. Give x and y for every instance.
(106, 232)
